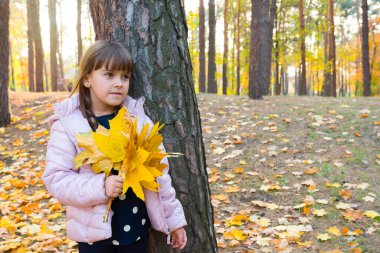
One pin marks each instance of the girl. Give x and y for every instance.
(103, 83)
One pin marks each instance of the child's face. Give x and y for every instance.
(108, 88)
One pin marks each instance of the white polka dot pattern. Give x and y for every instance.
(114, 242)
(127, 228)
(135, 209)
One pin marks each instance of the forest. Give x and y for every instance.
(271, 107)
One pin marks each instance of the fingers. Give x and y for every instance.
(179, 240)
(114, 186)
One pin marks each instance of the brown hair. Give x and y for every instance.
(112, 56)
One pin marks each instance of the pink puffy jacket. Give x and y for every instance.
(83, 191)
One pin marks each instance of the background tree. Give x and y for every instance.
(211, 81)
(39, 52)
(365, 51)
(79, 31)
(225, 50)
(30, 8)
(329, 86)
(164, 77)
(5, 116)
(53, 44)
(238, 48)
(202, 54)
(302, 83)
(262, 23)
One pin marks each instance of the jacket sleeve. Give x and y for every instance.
(175, 217)
(62, 181)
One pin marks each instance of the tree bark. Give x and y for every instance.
(5, 116)
(155, 32)
(53, 44)
(29, 13)
(302, 85)
(225, 51)
(79, 31)
(277, 88)
(332, 57)
(202, 54)
(61, 77)
(238, 48)
(211, 81)
(13, 87)
(365, 51)
(38, 46)
(255, 88)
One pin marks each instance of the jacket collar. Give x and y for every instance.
(67, 106)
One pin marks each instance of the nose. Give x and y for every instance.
(119, 81)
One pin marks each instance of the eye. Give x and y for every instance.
(126, 77)
(109, 74)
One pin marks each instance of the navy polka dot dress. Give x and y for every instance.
(130, 221)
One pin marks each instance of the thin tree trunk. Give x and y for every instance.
(164, 77)
(79, 31)
(358, 45)
(46, 78)
(13, 87)
(277, 57)
(225, 51)
(255, 90)
(5, 116)
(332, 57)
(211, 81)
(61, 77)
(238, 48)
(29, 12)
(38, 46)
(202, 54)
(302, 85)
(261, 47)
(365, 51)
(53, 44)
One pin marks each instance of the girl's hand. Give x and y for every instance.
(114, 186)
(178, 238)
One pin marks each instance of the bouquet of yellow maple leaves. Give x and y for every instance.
(135, 155)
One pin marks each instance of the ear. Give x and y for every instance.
(86, 81)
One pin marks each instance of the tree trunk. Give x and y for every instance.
(79, 31)
(211, 82)
(262, 22)
(61, 77)
(358, 44)
(365, 51)
(255, 87)
(13, 87)
(225, 51)
(238, 49)
(202, 54)
(38, 46)
(277, 87)
(29, 13)
(302, 84)
(156, 35)
(5, 116)
(332, 57)
(53, 44)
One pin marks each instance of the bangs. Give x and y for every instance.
(114, 57)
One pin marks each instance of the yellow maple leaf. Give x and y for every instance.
(334, 231)
(323, 237)
(135, 154)
(320, 212)
(371, 214)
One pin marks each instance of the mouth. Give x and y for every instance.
(116, 93)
